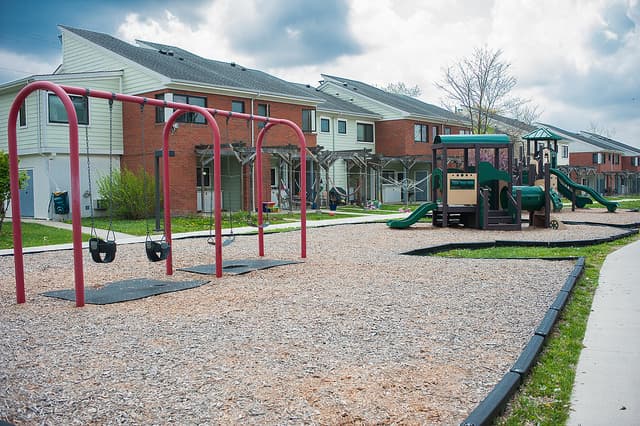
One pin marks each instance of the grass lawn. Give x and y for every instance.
(545, 396)
(382, 210)
(203, 222)
(34, 234)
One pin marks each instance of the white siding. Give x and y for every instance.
(40, 136)
(55, 136)
(334, 141)
(27, 136)
(51, 173)
(80, 55)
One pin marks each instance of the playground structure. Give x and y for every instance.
(475, 194)
(545, 151)
(63, 93)
(484, 196)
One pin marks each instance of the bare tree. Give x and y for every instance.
(401, 88)
(526, 112)
(480, 85)
(596, 128)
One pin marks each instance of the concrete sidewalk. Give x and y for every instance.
(607, 385)
(245, 230)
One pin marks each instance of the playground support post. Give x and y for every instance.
(74, 171)
(217, 180)
(303, 183)
(63, 93)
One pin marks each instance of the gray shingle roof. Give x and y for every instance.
(180, 65)
(629, 150)
(402, 102)
(598, 141)
(512, 122)
(335, 104)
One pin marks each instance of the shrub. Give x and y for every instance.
(129, 195)
(5, 185)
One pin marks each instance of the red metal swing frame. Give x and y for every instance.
(63, 93)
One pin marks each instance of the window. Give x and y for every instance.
(203, 176)
(447, 130)
(598, 158)
(191, 117)
(22, 115)
(565, 151)
(464, 132)
(263, 110)
(435, 132)
(365, 132)
(308, 120)
(324, 125)
(160, 110)
(237, 106)
(420, 133)
(342, 127)
(57, 113)
(636, 161)
(274, 178)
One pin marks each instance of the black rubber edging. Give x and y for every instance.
(427, 251)
(495, 402)
(528, 356)
(615, 225)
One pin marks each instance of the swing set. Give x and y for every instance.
(103, 251)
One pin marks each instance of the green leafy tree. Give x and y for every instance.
(5, 185)
(129, 195)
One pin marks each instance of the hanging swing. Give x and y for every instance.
(102, 251)
(230, 238)
(156, 250)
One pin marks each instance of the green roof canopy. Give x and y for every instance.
(473, 139)
(542, 134)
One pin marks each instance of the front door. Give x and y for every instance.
(422, 185)
(26, 196)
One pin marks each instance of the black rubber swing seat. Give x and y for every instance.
(102, 251)
(157, 250)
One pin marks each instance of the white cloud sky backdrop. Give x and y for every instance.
(578, 60)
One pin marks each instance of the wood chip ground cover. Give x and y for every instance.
(358, 333)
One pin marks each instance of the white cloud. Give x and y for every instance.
(577, 60)
(15, 65)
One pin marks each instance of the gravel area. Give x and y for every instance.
(358, 333)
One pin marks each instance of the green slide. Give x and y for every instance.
(566, 180)
(415, 216)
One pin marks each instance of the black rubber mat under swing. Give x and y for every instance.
(125, 290)
(237, 267)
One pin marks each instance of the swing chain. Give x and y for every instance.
(110, 229)
(93, 232)
(144, 166)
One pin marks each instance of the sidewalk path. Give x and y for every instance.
(607, 384)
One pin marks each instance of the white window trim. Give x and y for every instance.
(346, 127)
(319, 128)
(26, 121)
(373, 126)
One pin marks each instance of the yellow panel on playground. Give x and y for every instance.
(461, 188)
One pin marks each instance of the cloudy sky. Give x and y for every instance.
(579, 61)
